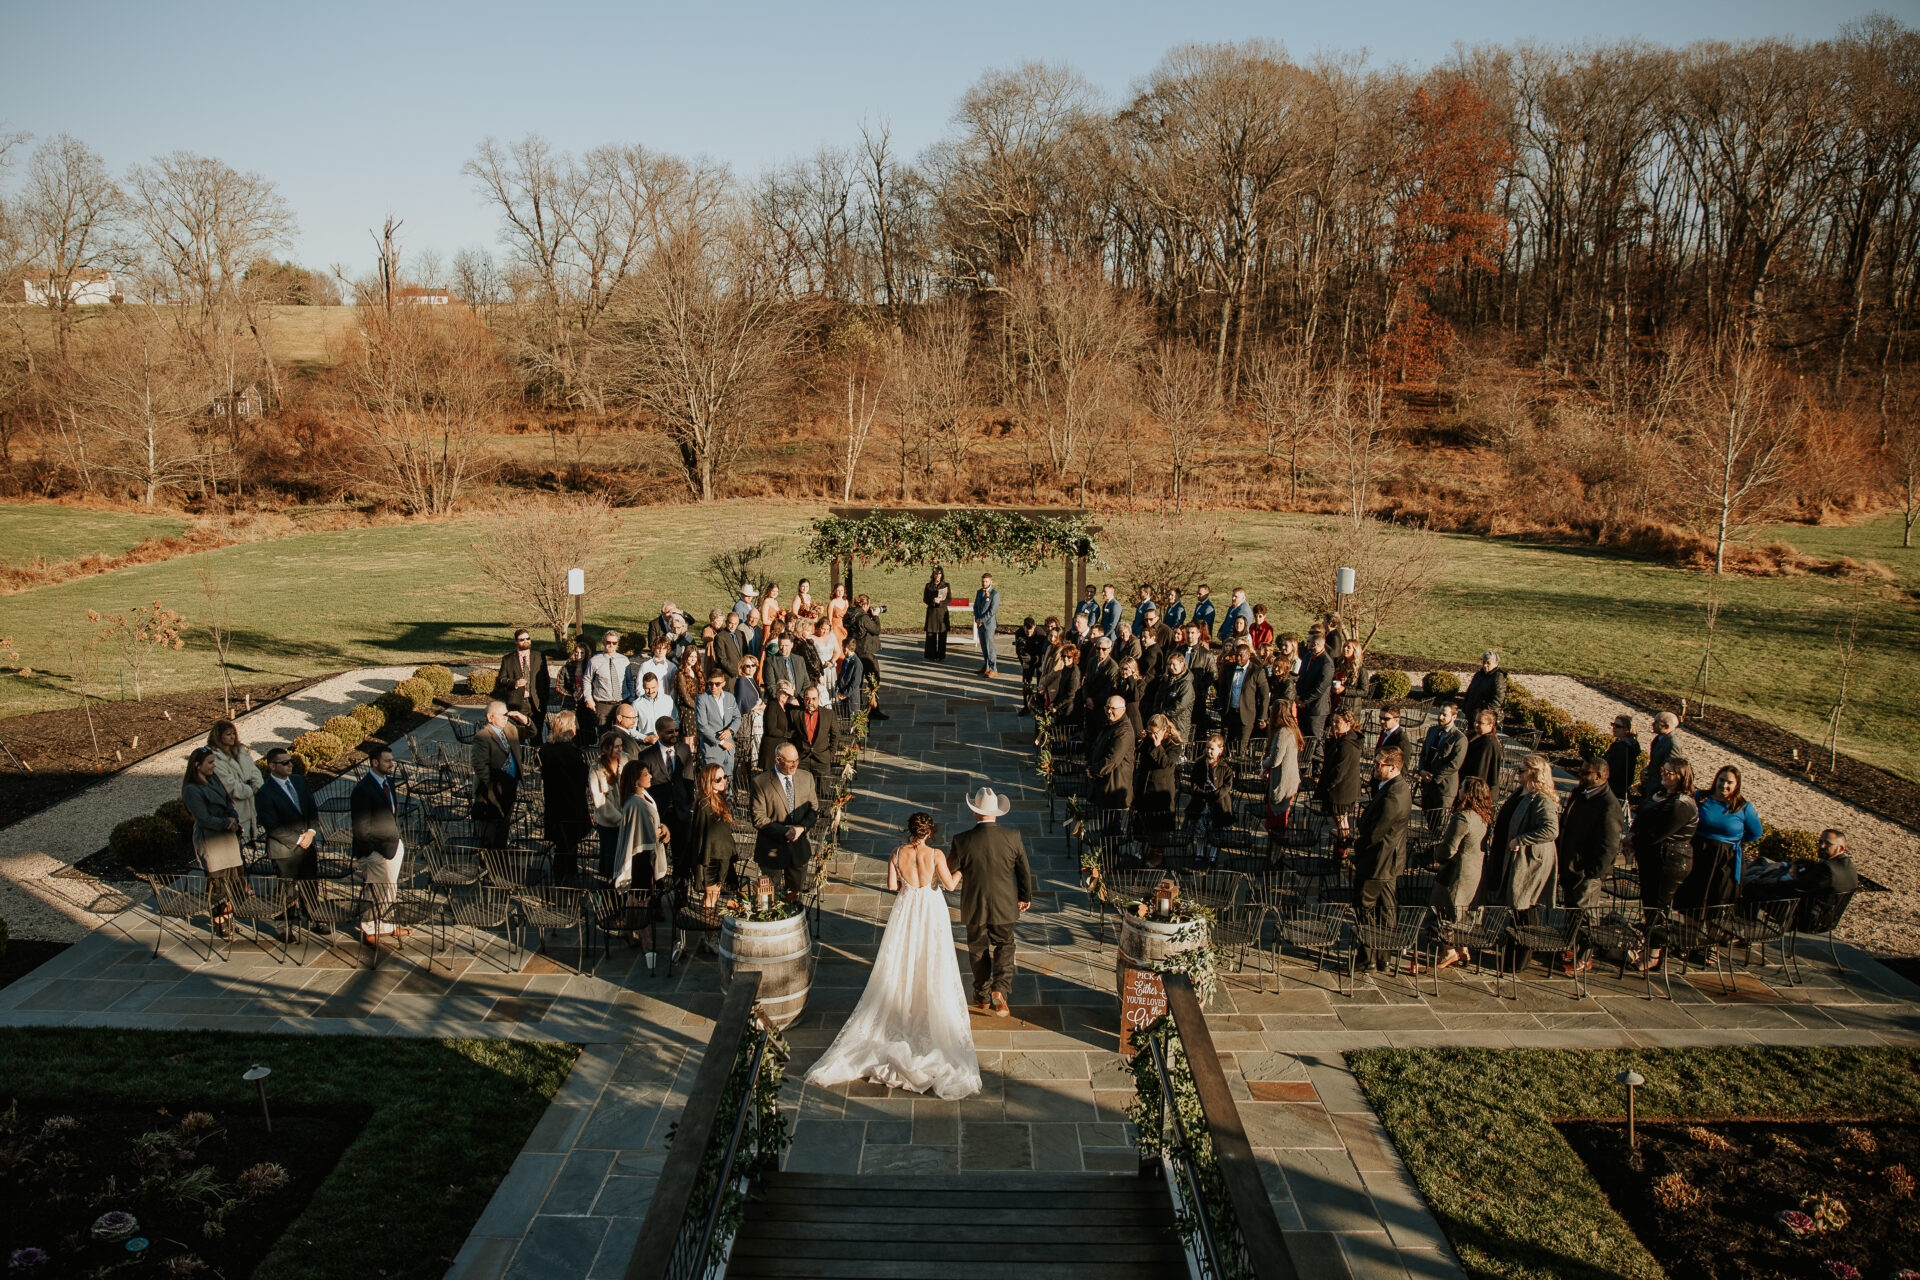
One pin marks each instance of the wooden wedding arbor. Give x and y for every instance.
(901, 537)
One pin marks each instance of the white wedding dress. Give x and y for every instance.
(911, 1029)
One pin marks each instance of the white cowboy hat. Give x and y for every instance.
(746, 589)
(989, 804)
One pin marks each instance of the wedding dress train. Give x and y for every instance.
(911, 1029)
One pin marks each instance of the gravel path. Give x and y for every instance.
(39, 902)
(1884, 923)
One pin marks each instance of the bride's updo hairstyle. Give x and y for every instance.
(919, 826)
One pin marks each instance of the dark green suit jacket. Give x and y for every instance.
(997, 877)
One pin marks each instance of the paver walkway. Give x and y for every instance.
(1054, 1093)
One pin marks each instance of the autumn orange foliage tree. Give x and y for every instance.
(1444, 224)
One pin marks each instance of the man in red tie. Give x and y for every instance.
(1390, 734)
(524, 685)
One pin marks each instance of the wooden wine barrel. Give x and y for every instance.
(1146, 944)
(781, 951)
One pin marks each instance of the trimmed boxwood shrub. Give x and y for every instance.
(174, 812)
(1391, 684)
(145, 840)
(1590, 740)
(372, 719)
(436, 675)
(347, 729)
(480, 681)
(318, 748)
(396, 706)
(1784, 844)
(418, 693)
(1440, 684)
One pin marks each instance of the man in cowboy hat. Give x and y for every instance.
(996, 886)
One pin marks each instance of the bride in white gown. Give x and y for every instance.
(911, 1029)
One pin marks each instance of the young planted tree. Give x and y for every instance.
(149, 628)
(1166, 549)
(733, 565)
(526, 550)
(217, 622)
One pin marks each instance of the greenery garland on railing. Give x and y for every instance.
(1156, 1139)
(766, 1136)
(901, 541)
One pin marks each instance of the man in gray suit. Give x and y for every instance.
(996, 886)
(1441, 754)
(986, 617)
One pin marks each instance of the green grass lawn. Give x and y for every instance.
(403, 593)
(447, 1119)
(55, 533)
(1476, 1126)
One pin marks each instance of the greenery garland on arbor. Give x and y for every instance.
(897, 540)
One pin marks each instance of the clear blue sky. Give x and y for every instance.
(357, 110)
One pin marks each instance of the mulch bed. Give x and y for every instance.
(58, 750)
(184, 1180)
(24, 955)
(1703, 1198)
(1874, 790)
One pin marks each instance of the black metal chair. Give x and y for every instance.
(1396, 938)
(1556, 931)
(485, 910)
(179, 904)
(1320, 928)
(1480, 931)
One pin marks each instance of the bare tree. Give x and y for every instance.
(860, 368)
(525, 553)
(1395, 567)
(1737, 450)
(418, 387)
(703, 343)
(1180, 396)
(68, 220)
(1355, 428)
(1287, 403)
(1903, 464)
(203, 222)
(130, 410)
(936, 388)
(1166, 549)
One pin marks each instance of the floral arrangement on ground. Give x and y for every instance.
(743, 905)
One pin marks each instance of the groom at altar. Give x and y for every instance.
(996, 885)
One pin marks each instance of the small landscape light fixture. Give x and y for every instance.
(1633, 1080)
(258, 1074)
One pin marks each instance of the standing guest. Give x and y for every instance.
(377, 844)
(1592, 825)
(673, 769)
(837, 606)
(1203, 611)
(935, 596)
(1441, 755)
(1623, 758)
(849, 694)
(1060, 686)
(563, 786)
(770, 610)
(1239, 631)
(1238, 612)
(826, 659)
(1658, 752)
(606, 680)
(523, 684)
(1285, 677)
(239, 772)
(1172, 696)
(1484, 753)
(1282, 766)
(816, 736)
(1727, 821)
(783, 666)
(753, 708)
(752, 635)
(1531, 841)
(1097, 685)
(687, 687)
(573, 675)
(710, 858)
(1159, 753)
(1210, 809)
(865, 631)
(716, 715)
(1314, 691)
(289, 819)
(626, 723)
(776, 725)
(1110, 762)
(1390, 733)
(1125, 643)
(1380, 852)
(680, 639)
(1109, 616)
(986, 620)
(1261, 632)
(1663, 846)
(785, 805)
(744, 604)
(1029, 647)
(652, 704)
(1487, 691)
(644, 841)
(603, 800)
(726, 652)
(803, 606)
(1340, 780)
(1350, 672)
(659, 664)
(216, 836)
(1142, 608)
(1241, 691)
(663, 625)
(1460, 859)
(1161, 634)
(496, 775)
(1088, 609)
(1132, 686)
(1176, 608)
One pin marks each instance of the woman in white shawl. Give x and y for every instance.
(239, 771)
(641, 862)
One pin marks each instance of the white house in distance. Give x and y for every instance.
(87, 286)
(416, 296)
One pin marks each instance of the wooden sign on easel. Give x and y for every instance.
(1143, 998)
